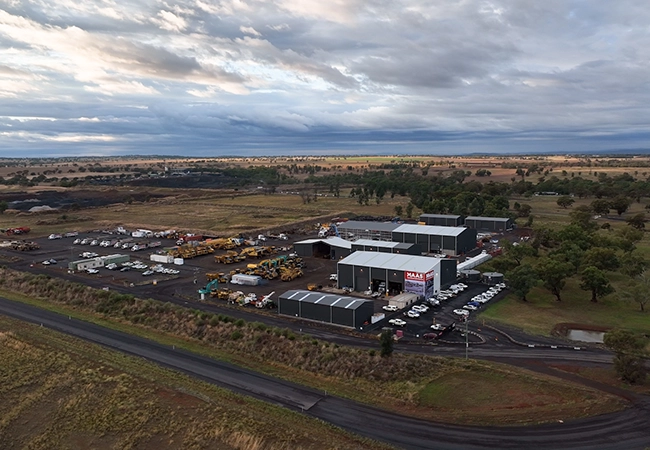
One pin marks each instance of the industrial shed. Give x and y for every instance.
(367, 245)
(443, 220)
(496, 224)
(333, 247)
(378, 231)
(450, 240)
(329, 308)
(419, 275)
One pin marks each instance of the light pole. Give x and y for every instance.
(466, 336)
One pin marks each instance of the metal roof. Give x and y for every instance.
(333, 300)
(430, 230)
(367, 225)
(493, 219)
(335, 241)
(441, 216)
(393, 261)
(371, 243)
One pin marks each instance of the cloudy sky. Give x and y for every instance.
(233, 77)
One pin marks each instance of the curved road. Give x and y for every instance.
(624, 430)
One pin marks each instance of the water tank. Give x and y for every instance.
(492, 278)
(471, 275)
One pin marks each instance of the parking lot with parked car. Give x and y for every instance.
(427, 318)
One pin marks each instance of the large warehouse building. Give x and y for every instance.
(333, 248)
(367, 245)
(419, 275)
(330, 308)
(497, 224)
(450, 240)
(443, 220)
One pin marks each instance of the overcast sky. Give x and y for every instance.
(234, 77)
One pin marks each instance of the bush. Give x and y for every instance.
(236, 335)
(240, 322)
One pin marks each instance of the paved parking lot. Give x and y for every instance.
(442, 314)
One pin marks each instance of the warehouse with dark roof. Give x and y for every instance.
(333, 248)
(329, 308)
(443, 220)
(497, 224)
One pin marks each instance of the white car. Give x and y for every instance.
(334, 277)
(420, 308)
(461, 312)
(470, 307)
(397, 322)
(434, 302)
(147, 273)
(437, 327)
(92, 271)
(413, 314)
(391, 308)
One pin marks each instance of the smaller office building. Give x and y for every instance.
(366, 245)
(94, 263)
(442, 220)
(328, 308)
(494, 224)
(419, 275)
(333, 248)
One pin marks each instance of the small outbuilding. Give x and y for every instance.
(492, 278)
(328, 308)
(494, 224)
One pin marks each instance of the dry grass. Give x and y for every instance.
(392, 383)
(59, 392)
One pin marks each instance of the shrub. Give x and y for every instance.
(236, 335)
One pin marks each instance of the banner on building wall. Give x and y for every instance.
(429, 284)
(415, 283)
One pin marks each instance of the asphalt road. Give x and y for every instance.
(624, 430)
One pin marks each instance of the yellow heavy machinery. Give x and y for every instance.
(220, 277)
(227, 258)
(222, 294)
(289, 274)
(314, 287)
(250, 252)
(24, 246)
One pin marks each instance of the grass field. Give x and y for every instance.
(60, 392)
(394, 384)
(219, 212)
(470, 396)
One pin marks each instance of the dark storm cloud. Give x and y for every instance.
(307, 75)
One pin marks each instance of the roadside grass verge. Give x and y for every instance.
(391, 383)
(62, 392)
